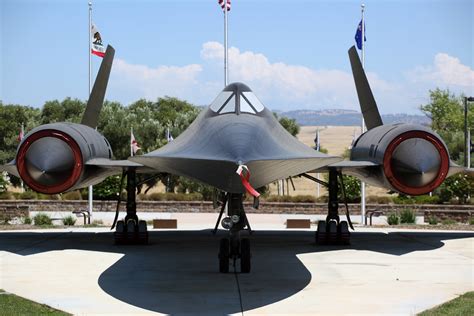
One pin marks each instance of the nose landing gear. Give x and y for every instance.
(233, 247)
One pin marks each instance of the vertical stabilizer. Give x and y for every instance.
(368, 106)
(96, 99)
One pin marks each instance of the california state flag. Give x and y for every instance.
(133, 144)
(96, 42)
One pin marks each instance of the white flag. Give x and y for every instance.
(97, 48)
(133, 144)
(169, 137)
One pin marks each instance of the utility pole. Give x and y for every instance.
(467, 133)
(226, 65)
(91, 189)
(362, 184)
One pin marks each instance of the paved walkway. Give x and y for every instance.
(384, 271)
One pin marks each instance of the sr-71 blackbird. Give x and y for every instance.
(234, 145)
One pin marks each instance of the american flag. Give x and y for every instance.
(222, 4)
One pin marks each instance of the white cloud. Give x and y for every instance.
(282, 83)
(446, 71)
(283, 86)
(140, 81)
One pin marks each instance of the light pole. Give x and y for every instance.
(467, 134)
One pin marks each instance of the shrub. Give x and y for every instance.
(471, 221)
(96, 223)
(393, 219)
(28, 195)
(379, 199)
(69, 221)
(3, 182)
(407, 216)
(426, 199)
(42, 219)
(289, 198)
(448, 221)
(421, 199)
(171, 197)
(7, 196)
(27, 220)
(433, 220)
(73, 195)
(108, 189)
(48, 196)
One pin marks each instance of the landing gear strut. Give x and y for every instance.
(333, 230)
(131, 230)
(234, 247)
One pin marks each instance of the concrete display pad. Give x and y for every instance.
(384, 271)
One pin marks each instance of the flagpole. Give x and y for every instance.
(317, 175)
(90, 195)
(362, 184)
(226, 74)
(22, 134)
(131, 142)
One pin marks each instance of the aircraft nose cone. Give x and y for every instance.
(49, 161)
(416, 162)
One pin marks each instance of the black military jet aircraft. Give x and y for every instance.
(235, 145)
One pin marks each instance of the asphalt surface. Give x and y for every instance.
(383, 271)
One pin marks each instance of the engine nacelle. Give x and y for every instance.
(52, 158)
(414, 159)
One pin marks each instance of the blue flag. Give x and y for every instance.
(358, 36)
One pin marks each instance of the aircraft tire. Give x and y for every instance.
(224, 252)
(245, 255)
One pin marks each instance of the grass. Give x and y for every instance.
(11, 304)
(407, 216)
(393, 219)
(463, 305)
(42, 219)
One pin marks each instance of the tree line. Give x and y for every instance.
(151, 119)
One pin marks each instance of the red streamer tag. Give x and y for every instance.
(245, 176)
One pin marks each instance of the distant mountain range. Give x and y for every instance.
(341, 117)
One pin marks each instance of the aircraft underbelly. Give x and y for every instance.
(222, 174)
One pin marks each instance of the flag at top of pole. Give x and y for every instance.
(222, 4)
(358, 35)
(97, 48)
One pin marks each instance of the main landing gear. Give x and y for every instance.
(130, 230)
(234, 247)
(333, 231)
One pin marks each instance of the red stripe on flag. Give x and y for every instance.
(100, 54)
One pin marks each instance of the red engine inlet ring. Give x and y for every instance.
(442, 173)
(54, 189)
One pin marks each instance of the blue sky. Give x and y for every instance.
(293, 54)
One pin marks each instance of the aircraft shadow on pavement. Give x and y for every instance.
(177, 272)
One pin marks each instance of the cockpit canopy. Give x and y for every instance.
(237, 98)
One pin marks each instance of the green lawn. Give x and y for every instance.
(463, 305)
(13, 305)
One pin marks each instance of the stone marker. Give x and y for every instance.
(165, 223)
(298, 223)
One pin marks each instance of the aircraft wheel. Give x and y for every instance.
(131, 230)
(245, 255)
(321, 233)
(332, 232)
(142, 233)
(119, 235)
(224, 253)
(344, 234)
